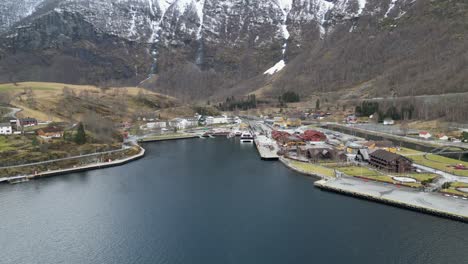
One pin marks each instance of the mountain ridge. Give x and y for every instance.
(201, 48)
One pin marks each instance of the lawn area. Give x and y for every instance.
(453, 189)
(364, 172)
(435, 161)
(312, 168)
(5, 144)
(357, 171)
(421, 177)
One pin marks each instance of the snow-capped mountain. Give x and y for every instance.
(216, 42)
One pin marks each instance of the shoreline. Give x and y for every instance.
(326, 186)
(323, 183)
(89, 167)
(149, 140)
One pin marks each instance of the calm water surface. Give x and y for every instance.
(211, 201)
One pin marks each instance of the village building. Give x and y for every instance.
(220, 120)
(321, 153)
(384, 144)
(353, 148)
(388, 122)
(293, 122)
(27, 122)
(362, 155)
(351, 119)
(313, 136)
(50, 132)
(391, 162)
(156, 125)
(425, 135)
(184, 123)
(6, 129)
(442, 137)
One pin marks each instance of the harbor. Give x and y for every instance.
(267, 148)
(408, 198)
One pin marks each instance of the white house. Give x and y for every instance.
(388, 122)
(154, 125)
(443, 137)
(6, 129)
(183, 123)
(220, 120)
(425, 135)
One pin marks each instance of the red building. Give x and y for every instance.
(314, 136)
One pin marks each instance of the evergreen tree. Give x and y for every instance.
(317, 104)
(80, 137)
(35, 142)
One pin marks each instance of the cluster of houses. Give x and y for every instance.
(15, 125)
(284, 122)
(181, 123)
(314, 146)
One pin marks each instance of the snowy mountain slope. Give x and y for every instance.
(216, 43)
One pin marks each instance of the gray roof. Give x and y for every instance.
(386, 155)
(364, 153)
(5, 125)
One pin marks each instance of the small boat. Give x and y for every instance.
(246, 137)
(238, 133)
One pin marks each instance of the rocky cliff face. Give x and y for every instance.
(196, 47)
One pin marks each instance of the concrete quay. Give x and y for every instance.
(267, 148)
(430, 203)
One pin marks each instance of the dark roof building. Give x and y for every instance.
(389, 161)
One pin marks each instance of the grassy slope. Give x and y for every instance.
(312, 168)
(48, 96)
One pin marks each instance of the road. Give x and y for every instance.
(370, 131)
(12, 113)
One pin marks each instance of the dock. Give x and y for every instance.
(167, 138)
(426, 202)
(267, 148)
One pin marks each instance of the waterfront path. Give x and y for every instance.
(91, 166)
(63, 159)
(429, 202)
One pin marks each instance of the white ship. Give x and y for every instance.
(246, 137)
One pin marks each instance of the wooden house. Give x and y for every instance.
(391, 162)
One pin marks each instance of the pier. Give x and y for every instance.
(267, 148)
(430, 203)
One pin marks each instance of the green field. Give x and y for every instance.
(371, 174)
(312, 168)
(356, 170)
(5, 144)
(453, 189)
(435, 161)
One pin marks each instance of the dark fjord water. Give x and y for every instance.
(211, 201)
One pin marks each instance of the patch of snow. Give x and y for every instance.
(362, 5)
(392, 5)
(278, 67)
